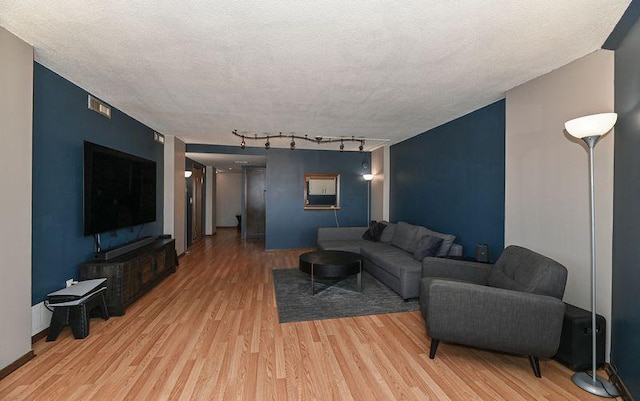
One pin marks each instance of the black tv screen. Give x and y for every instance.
(119, 189)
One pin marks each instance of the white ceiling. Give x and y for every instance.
(226, 163)
(198, 69)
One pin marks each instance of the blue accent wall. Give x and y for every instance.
(451, 179)
(289, 226)
(625, 307)
(61, 124)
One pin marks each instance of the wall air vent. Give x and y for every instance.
(99, 106)
(158, 137)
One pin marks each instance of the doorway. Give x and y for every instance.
(255, 202)
(195, 198)
(197, 231)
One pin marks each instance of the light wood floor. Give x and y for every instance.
(211, 332)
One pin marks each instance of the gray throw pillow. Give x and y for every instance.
(428, 245)
(374, 232)
(404, 236)
(387, 233)
(446, 243)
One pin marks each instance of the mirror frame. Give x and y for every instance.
(330, 203)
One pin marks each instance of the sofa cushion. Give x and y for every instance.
(341, 245)
(368, 246)
(498, 279)
(428, 245)
(405, 236)
(447, 240)
(374, 232)
(387, 233)
(391, 259)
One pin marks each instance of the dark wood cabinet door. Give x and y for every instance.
(255, 203)
(131, 275)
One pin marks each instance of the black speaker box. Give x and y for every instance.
(482, 253)
(575, 341)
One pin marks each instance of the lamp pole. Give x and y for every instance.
(368, 178)
(368, 203)
(592, 383)
(590, 129)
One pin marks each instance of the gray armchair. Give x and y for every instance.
(514, 306)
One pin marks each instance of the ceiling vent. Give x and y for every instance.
(99, 106)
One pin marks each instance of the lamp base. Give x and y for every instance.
(600, 387)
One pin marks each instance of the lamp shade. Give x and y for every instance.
(593, 125)
(187, 174)
(367, 177)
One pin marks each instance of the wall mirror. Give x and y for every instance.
(321, 191)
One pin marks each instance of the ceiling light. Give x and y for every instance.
(318, 139)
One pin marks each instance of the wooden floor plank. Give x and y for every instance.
(211, 332)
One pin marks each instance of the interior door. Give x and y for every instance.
(255, 204)
(198, 202)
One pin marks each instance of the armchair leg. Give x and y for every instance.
(434, 347)
(535, 365)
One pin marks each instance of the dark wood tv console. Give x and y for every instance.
(131, 275)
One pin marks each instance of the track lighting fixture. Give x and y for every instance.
(318, 139)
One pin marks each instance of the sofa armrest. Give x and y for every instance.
(456, 269)
(340, 233)
(494, 318)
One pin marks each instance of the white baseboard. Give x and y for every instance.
(40, 318)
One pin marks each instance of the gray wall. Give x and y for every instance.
(377, 185)
(229, 198)
(625, 348)
(547, 174)
(16, 114)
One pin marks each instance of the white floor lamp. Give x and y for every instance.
(368, 178)
(590, 129)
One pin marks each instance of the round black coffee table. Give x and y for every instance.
(331, 264)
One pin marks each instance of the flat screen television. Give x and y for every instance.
(119, 189)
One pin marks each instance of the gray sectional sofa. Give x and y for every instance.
(392, 259)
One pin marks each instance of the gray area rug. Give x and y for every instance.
(333, 298)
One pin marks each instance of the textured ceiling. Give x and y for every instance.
(227, 162)
(382, 69)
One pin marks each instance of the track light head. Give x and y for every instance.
(243, 144)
